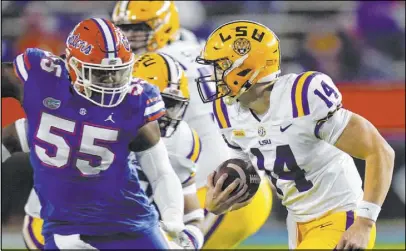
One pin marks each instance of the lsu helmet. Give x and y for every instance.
(99, 61)
(242, 53)
(149, 25)
(164, 72)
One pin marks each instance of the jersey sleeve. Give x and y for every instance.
(153, 103)
(184, 153)
(34, 61)
(315, 96)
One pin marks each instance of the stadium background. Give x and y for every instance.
(360, 44)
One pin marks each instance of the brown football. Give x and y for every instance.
(238, 168)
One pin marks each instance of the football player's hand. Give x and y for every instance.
(218, 201)
(357, 236)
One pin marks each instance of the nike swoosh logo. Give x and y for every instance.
(285, 128)
(216, 48)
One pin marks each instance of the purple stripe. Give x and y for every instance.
(200, 150)
(224, 109)
(305, 102)
(191, 237)
(193, 146)
(292, 96)
(184, 182)
(213, 228)
(37, 244)
(104, 37)
(113, 36)
(350, 219)
(317, 128)
(216, 115)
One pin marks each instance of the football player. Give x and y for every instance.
(182, 143)
(82, 114)
(295, 129)
(154, 26)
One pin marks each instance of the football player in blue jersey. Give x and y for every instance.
(84, 114)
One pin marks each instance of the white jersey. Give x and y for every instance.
(199, 115)
(184, 149)
(294, 146)
(185, 52)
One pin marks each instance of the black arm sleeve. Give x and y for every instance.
(10, 86)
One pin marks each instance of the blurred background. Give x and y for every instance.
(360, 44)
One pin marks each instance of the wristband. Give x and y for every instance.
(368, 210)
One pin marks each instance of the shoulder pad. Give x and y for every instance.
(150, 98)
(315, 94)
(36, 61)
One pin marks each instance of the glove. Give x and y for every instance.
(190, 238)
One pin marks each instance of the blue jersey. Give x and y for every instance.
(79, 151)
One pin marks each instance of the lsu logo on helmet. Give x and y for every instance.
(242, 46)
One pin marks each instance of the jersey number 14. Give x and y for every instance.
(284, 156)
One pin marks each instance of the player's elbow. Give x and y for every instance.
(389, 154)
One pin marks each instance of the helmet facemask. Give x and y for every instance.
(104, 84)
(175, 111)
(139, 35)
(205, 83)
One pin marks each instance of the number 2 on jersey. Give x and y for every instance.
(284, 156)
(93, 156)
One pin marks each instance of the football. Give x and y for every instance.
(238, 168)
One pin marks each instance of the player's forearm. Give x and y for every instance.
(166, 185)
(378, 174)
(193, 213)
(10, 86)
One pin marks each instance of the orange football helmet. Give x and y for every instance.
(100, 62)
(149, 25)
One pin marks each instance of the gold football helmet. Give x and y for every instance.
(148, 25)
(242, 53)
(164, 72)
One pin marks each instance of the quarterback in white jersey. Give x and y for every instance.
(295, 129)
(154, 26)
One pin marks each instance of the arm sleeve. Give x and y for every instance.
(167, 189)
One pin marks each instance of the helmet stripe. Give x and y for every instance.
(173, 75)
(113, 36)
(107, 37)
